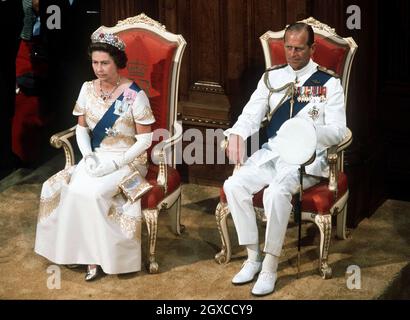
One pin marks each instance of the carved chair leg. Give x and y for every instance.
(341, 223)
(151, 219)
(175, 215)
(324, 222)
(221, 214)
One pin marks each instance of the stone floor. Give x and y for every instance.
(378, 249)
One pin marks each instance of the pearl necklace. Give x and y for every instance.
(106, 96)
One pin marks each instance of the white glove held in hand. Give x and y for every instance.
(104, 168)
(108, 166)
(91, 163)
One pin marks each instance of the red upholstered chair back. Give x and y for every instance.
(150, 61)
(154, 59)
(332, 51)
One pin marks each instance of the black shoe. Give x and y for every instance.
(92, 273)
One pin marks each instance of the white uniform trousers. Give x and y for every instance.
(283, 181)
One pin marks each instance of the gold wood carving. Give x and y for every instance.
(221, 213)
(332, 161)
(151, 220)
(141, 18)
(162, 172)
(59, 140)
(207, 86)
(202, 120)
(324, 222)
(265, 36)
(319, 25)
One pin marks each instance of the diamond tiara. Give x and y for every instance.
(109, 38)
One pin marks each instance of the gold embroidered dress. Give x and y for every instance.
(85, 219)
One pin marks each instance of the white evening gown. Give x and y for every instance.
(87, 220)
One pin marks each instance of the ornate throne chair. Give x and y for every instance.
(154, 60)
(328, 198)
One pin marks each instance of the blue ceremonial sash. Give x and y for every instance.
(107, 121)
(318, 79)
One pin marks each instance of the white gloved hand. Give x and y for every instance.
(91, 163)
(104, 168)
(108, 166)
(143, 142)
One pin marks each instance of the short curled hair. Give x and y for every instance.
(299, 26)
(119, 57)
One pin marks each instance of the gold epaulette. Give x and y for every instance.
(328, 71)
(276, 67)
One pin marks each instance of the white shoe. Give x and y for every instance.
(265, 283)
(92, 272)
(248, 272)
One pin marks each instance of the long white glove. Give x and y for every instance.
(106, 167)
(84, 144)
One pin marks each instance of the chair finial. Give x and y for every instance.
(319, 25)
(141, 18)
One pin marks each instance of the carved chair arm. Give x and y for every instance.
(61, 139)
(335, 159)
(175, 138)
(346, 141)
(160, 155)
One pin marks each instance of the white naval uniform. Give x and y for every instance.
(265, 168)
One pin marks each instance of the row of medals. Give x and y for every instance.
(311, 94)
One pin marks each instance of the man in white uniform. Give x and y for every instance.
(319, 98)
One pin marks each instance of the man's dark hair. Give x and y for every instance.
(299, 26)
(119, 57)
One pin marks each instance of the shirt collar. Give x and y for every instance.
(308, 69)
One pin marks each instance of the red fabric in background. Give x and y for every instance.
(23, 63)
(27, 121)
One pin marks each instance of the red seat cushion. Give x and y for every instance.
(152, 198)
(320, 199)
(317, 199)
